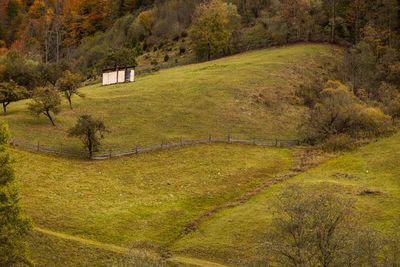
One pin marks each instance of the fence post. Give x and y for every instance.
(276, 142)
(181, 141)
(38, 146)
(209, 138)
(13, 141)
(110, 152)
(229, 138)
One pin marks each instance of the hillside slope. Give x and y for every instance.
(142, 200)
(234, 233)
(250, 93)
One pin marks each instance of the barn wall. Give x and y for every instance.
(121, 76)
(132, 76)
(117, 77)
(112, 77)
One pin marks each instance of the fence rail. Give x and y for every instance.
(112, 152)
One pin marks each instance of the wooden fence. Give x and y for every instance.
(107, 153)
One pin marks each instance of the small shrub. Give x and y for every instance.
(155, 49)
(145, 46)
(183, 40)
(161, 44)
(182, 50)
(176, 38)
(184, 34)
(166, 58)
(338, 142)
(154, 62)
(169, 49)
(372, 122)
(176, 60)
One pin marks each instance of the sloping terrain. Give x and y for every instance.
(140, 201)
(371, 175)
(250, 94)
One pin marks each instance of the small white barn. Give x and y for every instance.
(119, 75)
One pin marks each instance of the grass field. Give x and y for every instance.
(250, 93)
(144, 200)
(234, 233)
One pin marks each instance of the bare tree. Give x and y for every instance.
(316, 226)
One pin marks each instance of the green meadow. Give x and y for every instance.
(96, 212)
(236, 233)
(250, 94)
(140, 201)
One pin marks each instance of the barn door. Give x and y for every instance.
(127, 75)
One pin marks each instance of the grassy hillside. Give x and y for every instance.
(144, 200)
(233, 233)
(250, 93)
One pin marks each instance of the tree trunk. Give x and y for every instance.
(333, 20)
(51, 119)
(57, 30)
(4, 109)
(209, 52)
(90, 145)
(70, 102)
(45, 33)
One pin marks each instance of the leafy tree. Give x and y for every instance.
(119, 57)
(45, 101)
(11, 92)
(209, 30)
(147, 20)
(69, 84)
(50, 73)
(90, 131)
(339, 111)
(15, 67)
(13, 225)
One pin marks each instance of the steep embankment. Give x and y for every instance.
(251, 93)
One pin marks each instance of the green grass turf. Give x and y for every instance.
(233, 233)
(47, 251)
(143, 200)
(250, 94)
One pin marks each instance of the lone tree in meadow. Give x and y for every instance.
(90, 131)
(315, 225)
(209, 31)
(13, 225)
(69, 84)
(11, 92)
(45, 101)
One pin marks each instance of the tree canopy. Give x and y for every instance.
(90, 131)
(45, 101)
(210, 29)
(69, 84)
(11, 92)
(13, 225)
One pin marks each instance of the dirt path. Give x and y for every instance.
(303, 159)
(185, 261)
